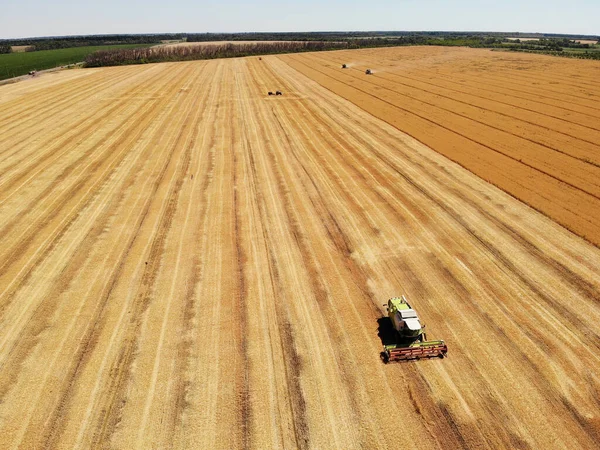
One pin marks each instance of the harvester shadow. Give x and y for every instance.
(386, 331)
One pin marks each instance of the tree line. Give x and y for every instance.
(196, 52)
(36, 44)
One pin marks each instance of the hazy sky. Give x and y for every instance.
(24, 18)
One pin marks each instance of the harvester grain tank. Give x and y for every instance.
(411, 341)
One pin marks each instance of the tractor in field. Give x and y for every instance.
(278, 93)
(344, 66)
(408, 334)
(368, 72)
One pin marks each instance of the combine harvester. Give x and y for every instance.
(411, 341)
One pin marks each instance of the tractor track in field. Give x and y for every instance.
(59, 99)
(185, 350)
(91, 123)
(53, 140)
(53, 211)
(188, 262)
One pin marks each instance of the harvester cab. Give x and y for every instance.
(411, 341)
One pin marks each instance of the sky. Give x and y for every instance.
(30, 18)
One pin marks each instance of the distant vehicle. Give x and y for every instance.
(278, 93)
(344, 66)
(368, 72)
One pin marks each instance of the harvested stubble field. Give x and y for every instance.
(189, 263)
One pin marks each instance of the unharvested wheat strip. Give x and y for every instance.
(550, 83)
(578, 103)
(515, 180)
(469, 77)
(464, 121)
(566, 137)
(541, 68)
(571, 124)
(562, 106)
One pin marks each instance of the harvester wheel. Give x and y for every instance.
(384, 357)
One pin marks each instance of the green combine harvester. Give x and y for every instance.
(411, 341)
